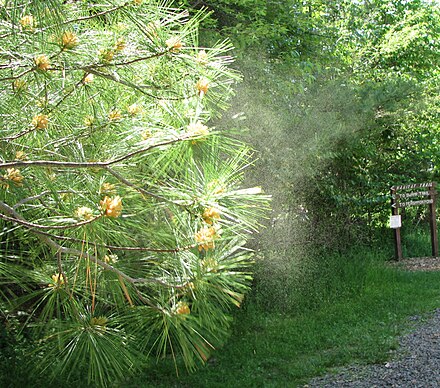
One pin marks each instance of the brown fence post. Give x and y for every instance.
(432, 220)
(395, 212)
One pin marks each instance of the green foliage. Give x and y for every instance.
(123, 221)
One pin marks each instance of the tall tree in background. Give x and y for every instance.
(122, 222)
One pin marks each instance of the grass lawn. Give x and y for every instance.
(276, 349)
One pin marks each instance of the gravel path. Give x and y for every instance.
(416, 365)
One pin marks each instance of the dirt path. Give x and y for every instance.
(418, 264)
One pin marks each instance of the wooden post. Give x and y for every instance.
(397, 239)
(433, 220)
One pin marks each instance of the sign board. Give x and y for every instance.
(418, 198)
(412, 186)
(396, 221)
(415, 203)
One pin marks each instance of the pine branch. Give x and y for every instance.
(54, 163)
(14, 216)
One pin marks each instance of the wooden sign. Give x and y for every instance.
(416, 203)
(401, 192)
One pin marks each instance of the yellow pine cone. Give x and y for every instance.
(89, 120)
(205, 238)
(58, 280)
(20, 155)
(27, 22)
(112, 206)
(134, 109)
(210, 265)
(174, 44)
(19, 85)
(210, 215)
(40, 121)
(202, 57)
(42, 62)
(197, 129)
(182, 308)
(115, 115)
(88, 79)
(110, 259)
(107, 55)
(107, 188)
(14, 175)
(69, 40)
(216, 187)
(202, 86)
(84, 213)
(152, 29)
(120, 44)
(99, 321)
(146, 134)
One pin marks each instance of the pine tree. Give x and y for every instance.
(123, 226)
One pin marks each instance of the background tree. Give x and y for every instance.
(122, 222)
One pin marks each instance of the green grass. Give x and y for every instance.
(356, 314)
(326, 311)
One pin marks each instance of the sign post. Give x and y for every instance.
(395, 212)
(433, 221)
(401, 197)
